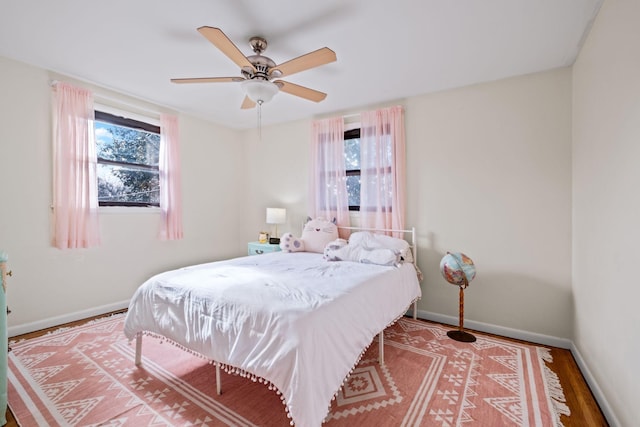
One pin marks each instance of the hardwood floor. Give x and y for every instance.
(585, 411)
(584, 408)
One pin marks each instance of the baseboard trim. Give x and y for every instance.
(595, 388)
(498, 330)
(25, 328)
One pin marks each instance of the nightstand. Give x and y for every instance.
(257, 248)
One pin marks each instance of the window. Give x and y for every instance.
(128, 152)
(379, 174)
(352, 166)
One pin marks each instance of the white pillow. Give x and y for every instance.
(379, 256)
(340, 250)
(371, 240)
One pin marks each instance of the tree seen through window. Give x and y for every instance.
(128, 153)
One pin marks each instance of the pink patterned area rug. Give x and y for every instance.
(85, 376)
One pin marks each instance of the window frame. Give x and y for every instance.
(113, 119)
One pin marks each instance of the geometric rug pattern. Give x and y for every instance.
(86, 376)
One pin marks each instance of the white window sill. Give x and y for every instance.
(128, 210)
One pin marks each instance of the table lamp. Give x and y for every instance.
(276, 216)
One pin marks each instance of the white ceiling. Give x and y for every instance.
(386, 49)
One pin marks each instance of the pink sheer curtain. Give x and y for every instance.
(75, 187)
(383, 169)
(328, 180)
(170, 179)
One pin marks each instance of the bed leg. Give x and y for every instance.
(415, 310)
(381, 347)
(218, 384)
(138, 360)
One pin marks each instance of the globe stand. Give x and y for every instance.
(460, 334)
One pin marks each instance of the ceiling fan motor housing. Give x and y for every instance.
(262, 65)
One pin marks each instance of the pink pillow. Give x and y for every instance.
(318, 233)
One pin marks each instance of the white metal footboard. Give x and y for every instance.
(381, 335)
(138, 362)
(139, 349)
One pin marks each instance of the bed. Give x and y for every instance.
(295, 321)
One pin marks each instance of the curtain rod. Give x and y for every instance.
(119, 102)
(351, 116)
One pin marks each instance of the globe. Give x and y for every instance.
(457, 269)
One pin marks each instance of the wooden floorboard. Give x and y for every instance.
(579, 398)
(584, 408)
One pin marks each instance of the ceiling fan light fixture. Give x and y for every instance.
(260, 91)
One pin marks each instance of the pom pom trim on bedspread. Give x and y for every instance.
(557, 396)
(230, 369)
(233, 370)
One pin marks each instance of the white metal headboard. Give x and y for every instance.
(412, 231)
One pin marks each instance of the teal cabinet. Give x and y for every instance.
(4, 343)
(257, 248)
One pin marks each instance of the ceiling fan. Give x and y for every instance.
(258, 71)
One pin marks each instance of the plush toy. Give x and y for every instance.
(333, 250)
(315, 236)
(317, 233)
(289, 243)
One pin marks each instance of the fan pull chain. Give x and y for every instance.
(260, 121)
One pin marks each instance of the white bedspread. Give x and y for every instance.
(293, 319)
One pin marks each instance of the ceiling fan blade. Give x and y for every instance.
(208, 80)
(305, 62)
(247, 103)
(222, 42)
(301, 91)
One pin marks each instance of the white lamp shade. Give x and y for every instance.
(260, 90)
(276, 215)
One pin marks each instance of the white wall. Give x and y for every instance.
(489, 174)
(276, 170)
(48, 283)
(606, 209)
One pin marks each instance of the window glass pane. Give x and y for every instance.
(352, 166)
(122, 144)
(352, 153)
(353, 190)
(121, 184)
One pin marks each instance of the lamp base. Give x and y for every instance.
(461, 336)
